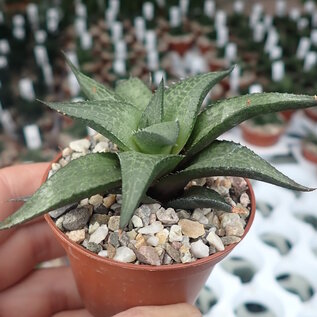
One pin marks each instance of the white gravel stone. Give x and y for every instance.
(153, 241)
(67, 152)
(80, 146)
(199, 249)
(167, 216)
(175, 234)
(153, 228)
(84, 202)
(124, 254)
(101, 147)
(113, 223)
(96, 200)
(103, 253)
(214, 240)
(77, 155)
(137, 221)
(55, 167)
(93, 227)
(77, 236)
(99, 235)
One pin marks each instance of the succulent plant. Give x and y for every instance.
(165, 140)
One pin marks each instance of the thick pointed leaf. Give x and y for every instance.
(158, 137)
(183, 101)
(153, 113)
(225, 114)
(224, 158)
(200, 197)
(81, 178)
(134, 91)
(113, 119)
(91, 88)
(138, 172)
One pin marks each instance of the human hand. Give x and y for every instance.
(30, 292)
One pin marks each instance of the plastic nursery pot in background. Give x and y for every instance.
(108, 287)
(180, 44)
(309, 151)
(311, 113)
(288, 114)
(263, 133)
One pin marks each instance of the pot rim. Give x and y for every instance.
(144, 267)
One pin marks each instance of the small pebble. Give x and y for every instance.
(148, 255)
(199, 249)
(227, 240)
(114, 239)
(214, 240)
(162, 236)
(99, 235)
(153, 228)
(124, 254)
(136, 221)
(144, 212)
(167, 216)
(103, 253)
(192, 229)
(77, 236)
(93, 227)
(175, 233)
(77, 218)
(173, 253)
(81, 146)
(94, 247)
(113, 223)
(153, 241)
(109, 200)
(96, 200)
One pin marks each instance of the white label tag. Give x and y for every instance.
(40, 54)
(258, 32)
(116, 31)
(175, 17)
(222, 36)
(255, 88)
(184, 4)
(294, 14)
(220, 19)
(231, 52)
(278, 71)
(119, 67)
(150, 41)
(238, 6)
(280, 8)
(275, 53)
(158, 76)
(209, 8)
(4, 47)
(310, 61)
(303, 47)
(139, 25)
(86, 41)
(32, 136)
(26, 89)
(121, 50)
(148, 11)
(152, 60)
(81, 10)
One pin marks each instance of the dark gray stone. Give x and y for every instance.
(77, 218)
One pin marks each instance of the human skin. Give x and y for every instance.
(30, 292)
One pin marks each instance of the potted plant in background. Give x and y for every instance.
(168, 160)
(264, 130)
(309, 146)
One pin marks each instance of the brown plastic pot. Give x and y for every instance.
(258, 138)
(108, 287)
(311, 113)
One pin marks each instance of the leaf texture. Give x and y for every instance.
(225, 114)
(183, 101)
(200, 197)
(115, 120)
(88, 175)
(153, 113)
(224, 158)
(138, 172)
(91, 88)
(134, 91)
(157, 138)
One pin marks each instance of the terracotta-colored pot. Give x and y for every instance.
(288, 114)
(258, 138)
(310, 113)
(309, 155)
(108, 287)
(180, 44)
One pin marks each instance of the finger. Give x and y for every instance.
(45, 292)
(176, 310)
(74, 313)
(30, 245)
(18, 181)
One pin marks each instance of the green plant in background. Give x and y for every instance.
(165, 140)
(270, 118)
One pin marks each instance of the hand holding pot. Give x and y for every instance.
(30, 292)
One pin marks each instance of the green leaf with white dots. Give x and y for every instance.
(134, 91)
(225, 114)
(183, 101)
(139, 170)
(81, 178)
(157, 138)
(200, 197)
(91, 88)
(153, 113)
(115, 120)
(224, 158)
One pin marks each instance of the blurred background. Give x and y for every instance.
(273, 44)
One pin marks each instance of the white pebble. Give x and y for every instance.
(137, 221)
(93, 227)
(80, 146)
(124, 254)
(153, 228)
(175, 233)
(153, 241)
(101, 147)
(99, 235)
(199, 249)
(214, 240)
(103, 253)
